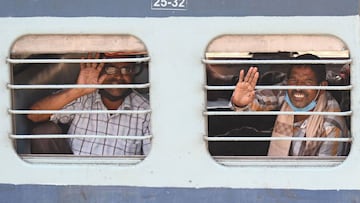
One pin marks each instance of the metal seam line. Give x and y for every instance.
(34, 136)
(343, 61)
(320, 139)
(114, 60)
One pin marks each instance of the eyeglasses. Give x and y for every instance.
(125, 70)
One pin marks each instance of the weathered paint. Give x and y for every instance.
(73, 193)
(200, 8)
(177, 116)
(179, 163)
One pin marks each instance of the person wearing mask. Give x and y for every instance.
(245, 98)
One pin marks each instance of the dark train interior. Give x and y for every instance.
(255, 126)
(48, 74)
(257, 47)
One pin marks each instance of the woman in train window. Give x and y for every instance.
(325, 126)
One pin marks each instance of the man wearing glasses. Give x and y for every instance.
(117, 124)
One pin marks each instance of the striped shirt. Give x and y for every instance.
(106, 124)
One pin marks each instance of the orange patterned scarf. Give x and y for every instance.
(284, 126)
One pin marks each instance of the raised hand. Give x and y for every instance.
(90, 72)
(244, 92)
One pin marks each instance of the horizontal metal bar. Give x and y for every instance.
(12, 111)
(58, 136)
(112, 60)
(284, 161)
(231, 161)
(103, 86)
(318, 139)
(283, 87)
(268, 61)
(270, 113)
(82, 159)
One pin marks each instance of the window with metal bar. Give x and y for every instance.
(91, 126)
(243, 136)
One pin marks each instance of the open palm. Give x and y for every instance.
(244, 92)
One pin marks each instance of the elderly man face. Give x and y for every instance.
(302, 75)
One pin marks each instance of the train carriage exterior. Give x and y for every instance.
(176, 42)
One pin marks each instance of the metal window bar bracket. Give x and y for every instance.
(317, 139)
(267, 61)
(272, 113)
(130, 60)
(113, 60)
(103, 86)
(145, 111)
(30, 61)
(58, 136)
(277, 87)
(282, 87)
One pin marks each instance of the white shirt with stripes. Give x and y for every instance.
(106, 124)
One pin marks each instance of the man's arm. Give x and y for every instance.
(53, 102)
(330, 148)
(89, 74)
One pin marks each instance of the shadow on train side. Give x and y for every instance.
(45, 74)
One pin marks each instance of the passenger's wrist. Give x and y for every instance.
(239, 107)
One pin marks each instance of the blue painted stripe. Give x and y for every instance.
(43, 193)
(142, 8)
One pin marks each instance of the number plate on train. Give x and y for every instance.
(168, 4)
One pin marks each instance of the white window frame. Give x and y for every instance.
(38, 44)
(215, 56)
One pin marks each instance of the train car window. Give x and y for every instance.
(276, 125)
(80, 98)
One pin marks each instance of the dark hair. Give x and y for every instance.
(318, 69)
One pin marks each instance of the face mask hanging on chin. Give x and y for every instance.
(303, 109)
